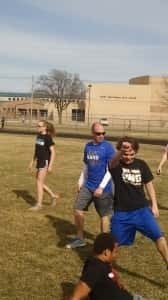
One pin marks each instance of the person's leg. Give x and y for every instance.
(150, 228)
(83, 200)
(162, 247)
(104, 224)
(54, 196)
(40, 177)
(104, 208)
(123, 228)
(79, 223)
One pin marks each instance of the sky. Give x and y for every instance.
(101, 40)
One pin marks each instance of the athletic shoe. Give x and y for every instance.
(76, 243)
(35, 207)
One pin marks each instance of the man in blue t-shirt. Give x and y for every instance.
(95, 184)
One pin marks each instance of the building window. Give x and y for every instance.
(78, 115)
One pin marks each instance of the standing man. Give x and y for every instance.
(95, 184)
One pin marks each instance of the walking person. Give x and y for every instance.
(132, 211)
(99, 279)
(162, 161)
(44, 156)
(3, 122)
(94, 185)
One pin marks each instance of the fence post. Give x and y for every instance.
(148, 127)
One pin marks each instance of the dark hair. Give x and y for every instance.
(104, 241)
(134, 143)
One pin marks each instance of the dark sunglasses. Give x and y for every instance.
(99, 133)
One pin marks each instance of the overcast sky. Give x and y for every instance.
(101, 40)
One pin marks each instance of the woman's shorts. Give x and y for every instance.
(42, 164)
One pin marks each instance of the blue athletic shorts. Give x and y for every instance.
(125, 224)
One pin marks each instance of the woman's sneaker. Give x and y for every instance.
(76, 243)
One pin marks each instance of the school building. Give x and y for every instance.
(144, 97)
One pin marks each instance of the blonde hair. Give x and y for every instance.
(49, 127)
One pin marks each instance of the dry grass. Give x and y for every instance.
(34, 263)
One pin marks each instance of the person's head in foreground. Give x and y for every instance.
(105, 247)
(129, 147)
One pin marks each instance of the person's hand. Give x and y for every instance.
(30, 167)
(98, 192)
(155, 210)
(49, 169)
(126, 148)
(78, 188)
(159, 171)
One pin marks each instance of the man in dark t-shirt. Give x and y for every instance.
(131, 208)
(99, 280)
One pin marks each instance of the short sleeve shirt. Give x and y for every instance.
(129, 180)
(42, 147)
(99, 277)
(96, 157)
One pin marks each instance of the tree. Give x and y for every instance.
(62, 87)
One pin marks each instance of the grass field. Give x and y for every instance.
(34, 263)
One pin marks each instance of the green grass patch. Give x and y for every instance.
(34, 263)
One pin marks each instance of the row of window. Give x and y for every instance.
(15, 99)
(117, 97)
(77, 114)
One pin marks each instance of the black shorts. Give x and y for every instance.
(103, 204)
(42, 164)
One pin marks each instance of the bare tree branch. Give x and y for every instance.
(62, 87)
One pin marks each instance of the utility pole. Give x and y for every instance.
(31, 102)
(89, 94)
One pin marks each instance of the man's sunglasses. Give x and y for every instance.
(99, 133)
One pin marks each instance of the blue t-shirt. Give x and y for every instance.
(96, 157)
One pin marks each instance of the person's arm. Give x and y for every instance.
(52, 157)
(162, 162)
(81, 291)
(125, 150)
(152, 196)
(98, 192)
(30, 166)
(83, 177)
(114, 161)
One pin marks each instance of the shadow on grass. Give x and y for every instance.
(139, 276)
(162, 207)
(67, 288)
(64, 229)
(25, 195)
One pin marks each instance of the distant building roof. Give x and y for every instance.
(15, 94)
